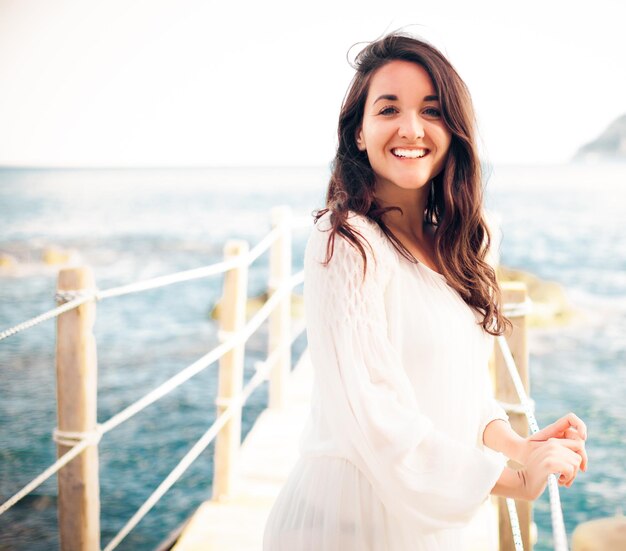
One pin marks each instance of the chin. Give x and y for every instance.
(413, 183)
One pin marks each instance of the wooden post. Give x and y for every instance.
(76, 365)
(280, 318)
(514, 293)
(232, 319)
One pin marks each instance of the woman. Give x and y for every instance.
(405, 440)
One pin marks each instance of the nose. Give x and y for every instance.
(411, 127)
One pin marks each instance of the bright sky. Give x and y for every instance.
(203, 82)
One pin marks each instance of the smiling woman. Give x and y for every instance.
(405, 441)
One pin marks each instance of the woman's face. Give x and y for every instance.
(403, 133)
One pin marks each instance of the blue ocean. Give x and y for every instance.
(562, 223)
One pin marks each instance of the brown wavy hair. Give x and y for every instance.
(454, 205)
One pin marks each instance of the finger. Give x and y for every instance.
(567, 483)
(564, 461)
(564, 464)
(582, 452)
(568, 476)
(546, 433)
(567, 480)
(555, 430)
(572, 433)
(572, 420)
(576, 445)
(577, 462)
(558, 428)
(574, 453)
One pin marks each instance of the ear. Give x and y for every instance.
(360, 142)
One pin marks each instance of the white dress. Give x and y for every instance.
(391, 457)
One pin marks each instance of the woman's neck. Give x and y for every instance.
(410, 221)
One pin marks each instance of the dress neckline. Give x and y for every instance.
(434, 272)
(417, 262)
(399, 255)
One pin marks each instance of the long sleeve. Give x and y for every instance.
(490, 410)
(422, 475)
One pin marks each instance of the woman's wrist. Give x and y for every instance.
(499, 436)
(512, 483)
(517, 448)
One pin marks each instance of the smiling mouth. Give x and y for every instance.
(402, 153)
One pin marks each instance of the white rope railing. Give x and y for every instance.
(71, 304)
(210, 357)
(199, 365)
(556, 512)
(136, 287)
(51, 470)
(154, 283)
(234, 405)
(515, 528)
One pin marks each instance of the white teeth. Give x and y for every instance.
(409, 153)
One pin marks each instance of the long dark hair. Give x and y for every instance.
(454, 205)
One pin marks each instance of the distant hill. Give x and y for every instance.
(610, 145)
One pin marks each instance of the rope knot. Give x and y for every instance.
(71, 438)
(61, 297)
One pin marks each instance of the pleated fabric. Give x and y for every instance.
(392, 455)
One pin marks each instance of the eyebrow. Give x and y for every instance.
(392, 97)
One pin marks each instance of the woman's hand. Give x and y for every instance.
(568, 427)
(556, 455)
(554, 444)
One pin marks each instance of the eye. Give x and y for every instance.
(432, 112)
(389, 110)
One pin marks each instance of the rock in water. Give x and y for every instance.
(56, 255)
(605, 534)
(254, 304)
(551, 307)
(7, 261)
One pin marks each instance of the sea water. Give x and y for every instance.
(563, 223)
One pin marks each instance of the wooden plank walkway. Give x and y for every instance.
(267, 455)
